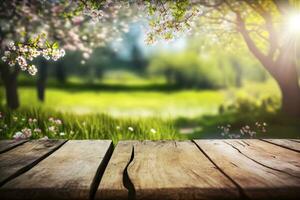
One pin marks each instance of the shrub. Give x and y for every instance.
(188, 70)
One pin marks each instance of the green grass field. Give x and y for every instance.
(108, 110)
(141, 100)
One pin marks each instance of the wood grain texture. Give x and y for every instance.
(25, 156)
(176, 170)
(254, 166)
(68, 173)
(112, 184)
(6, 145)
(289, 144)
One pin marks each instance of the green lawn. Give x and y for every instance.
(153, 110)
(142, 101)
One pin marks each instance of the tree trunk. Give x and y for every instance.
(41, 82)
(288, 81)
(11, 87)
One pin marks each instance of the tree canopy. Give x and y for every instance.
(269, 28)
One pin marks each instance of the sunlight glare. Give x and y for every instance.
(294, 23)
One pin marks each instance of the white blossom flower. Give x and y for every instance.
(11, 63)
(52, 128)
(51, 119)
(19, 136)
(26, 132)
(58, 122)
(4, 58)
(130, 129)
(37, 130)
(32, 70)
(62, 134)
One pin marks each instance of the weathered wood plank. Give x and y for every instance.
(112, 184)
(269, 155)
(6, 145)
(289, 144)
(176, 170)
(68, 173)
(23, 157)
(257, 173)
(295, 140)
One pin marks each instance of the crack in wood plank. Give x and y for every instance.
(241, 191)
(6, 145)
(284, 172)
(128, 184)
(295, 140)
(27, 167)
(280, 145)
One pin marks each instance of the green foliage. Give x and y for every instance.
(254, 107)
(187, 70)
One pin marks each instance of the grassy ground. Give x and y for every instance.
(139, 98)
(90, 126)
(154, 111)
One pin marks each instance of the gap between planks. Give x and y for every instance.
(6, 145)
(17, 161)
(284, 143)
(92, 166)
(128, 182)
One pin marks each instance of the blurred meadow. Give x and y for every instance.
(186, 88)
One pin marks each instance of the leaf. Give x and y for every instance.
(55, 45)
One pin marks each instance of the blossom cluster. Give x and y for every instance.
(21, 53)
(55, 126)
(30, 128)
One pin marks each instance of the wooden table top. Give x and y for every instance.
(163, 170)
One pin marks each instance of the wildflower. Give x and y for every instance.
(15, 119)
(37, 130)
(152, 130)
(51, 119)
(19, 136)
(130, 129)
(34, 120)
(58, 122)
(52, 128)
(26, 132)
(62, 134)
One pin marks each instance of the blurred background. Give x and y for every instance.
(201, 87)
